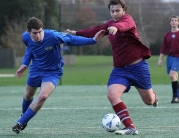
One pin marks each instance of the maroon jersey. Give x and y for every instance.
(126, 46)
(170, 44)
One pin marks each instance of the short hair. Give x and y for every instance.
(116, 2)
(34, 23)
(174, 16)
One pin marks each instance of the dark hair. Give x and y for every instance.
(174, 16)
(34, 23)
(118, 2)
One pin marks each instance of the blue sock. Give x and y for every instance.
(25, 105)
(26, 116)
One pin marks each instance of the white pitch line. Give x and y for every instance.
(92, 108)
(7, 75)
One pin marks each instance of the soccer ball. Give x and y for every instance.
(111, 122)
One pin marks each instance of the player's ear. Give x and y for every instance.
(28, 31)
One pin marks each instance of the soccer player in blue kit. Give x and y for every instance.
(46, 69)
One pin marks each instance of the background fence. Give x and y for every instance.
(152, 18)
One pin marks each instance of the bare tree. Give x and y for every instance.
(142, 23)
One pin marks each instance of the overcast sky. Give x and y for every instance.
(171, 0)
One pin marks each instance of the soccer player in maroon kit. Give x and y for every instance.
(130, 67)
(170, 47)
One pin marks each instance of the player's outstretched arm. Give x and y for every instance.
(99, 35)
(73, 40)
(112, 30)
(70, 31)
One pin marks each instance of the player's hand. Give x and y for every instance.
(70, 31)
(160, 63)
(20, 71)
(112, 30)
(99, 35)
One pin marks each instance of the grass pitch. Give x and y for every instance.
(77, 112)
(89, 70)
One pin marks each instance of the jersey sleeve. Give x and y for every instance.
(73, 40)
(90, 32)
(163, 49)
(27, 57)
(125, 23)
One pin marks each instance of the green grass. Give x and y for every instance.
(77, 112)
(90, 70)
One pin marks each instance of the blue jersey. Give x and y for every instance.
(46, 54)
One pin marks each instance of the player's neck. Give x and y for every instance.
(175, 29)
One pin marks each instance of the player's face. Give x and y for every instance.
(36, 35)
(116, 12)
(174, 22)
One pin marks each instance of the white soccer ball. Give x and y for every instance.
(111, 122)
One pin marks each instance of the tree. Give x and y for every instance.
(152, 18)
(8, 9)
(78, 17)
(15, 15)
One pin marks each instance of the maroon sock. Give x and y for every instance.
(122, 112)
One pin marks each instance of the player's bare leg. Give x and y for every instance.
(115, 92)
(46, 89)
(149, 97)
(174, 82)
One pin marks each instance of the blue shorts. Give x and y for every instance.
(172, 63)
(137, 75)
(35, 79)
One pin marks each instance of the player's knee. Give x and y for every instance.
(42, 98)
(28, 97)
(113, 98)
(148, 101)
(110, 96)
(172, 77)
